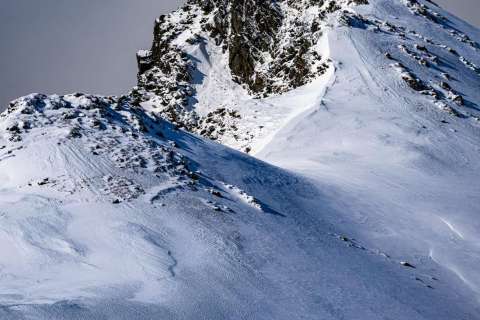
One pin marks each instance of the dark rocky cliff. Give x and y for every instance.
(270, 47)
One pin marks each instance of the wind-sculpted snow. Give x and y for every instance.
(109, 212)
(397, 132)
(103, 205)
(362, 202)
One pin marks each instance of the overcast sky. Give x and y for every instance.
(59, 46)
(62, 46)
(467, 9)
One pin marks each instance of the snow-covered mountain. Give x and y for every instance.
(360, 198)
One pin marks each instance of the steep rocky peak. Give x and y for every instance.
(269, 48)
(269, 44)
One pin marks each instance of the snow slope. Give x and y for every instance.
(362, 201)
(403, 173)
(392, 147)
(108, 212)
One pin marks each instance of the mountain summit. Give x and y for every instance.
(210, 56)
(277, 160)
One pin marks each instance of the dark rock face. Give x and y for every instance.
(270, 46)
(246, 29)
(166, 72)
(250, 31)
(248, 40)
(269, 43)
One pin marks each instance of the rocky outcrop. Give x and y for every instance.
(245, 30)
(269, 43)
(270, 47)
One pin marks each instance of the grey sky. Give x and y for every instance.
(59, 46)
(469, 10)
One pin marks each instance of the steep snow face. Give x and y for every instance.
(389, 132)
(396, 136)
(108, 212)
